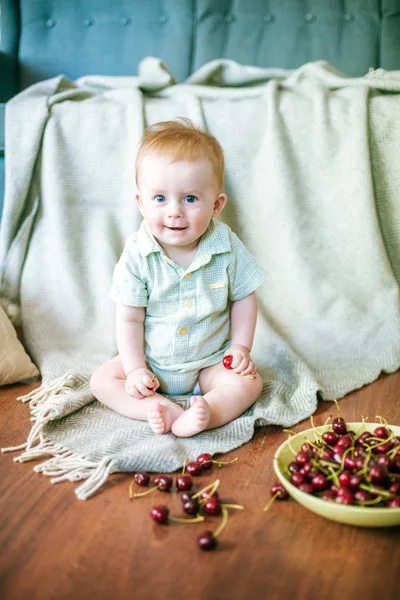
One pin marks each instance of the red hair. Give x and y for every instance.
(182, 141)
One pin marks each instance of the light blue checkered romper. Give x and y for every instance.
(187, 322)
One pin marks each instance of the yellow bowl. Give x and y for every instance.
(361, 516)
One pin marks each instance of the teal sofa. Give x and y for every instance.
(44, 38)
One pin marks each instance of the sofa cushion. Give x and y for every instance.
(77, 38)
(290, 33)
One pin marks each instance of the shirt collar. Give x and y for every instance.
(215, 240)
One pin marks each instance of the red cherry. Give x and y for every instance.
(345, 441)
(206, 494)
(297, 479)
(362, 496)
(319, 482)
(330, 437)
(344, 478)
(227, 361)
(339, 426)
(193, 468)
(306, 487)
(184, 482)
(163, 482)
(191, 507)
(381, 432)
(302, 458)
(395, 488)
(213, 506)
(279, 490)
(205, 460)
(328, 495)
(394, 502)
(294, 467)
(305, 469)
(344, 496)
(160, 514)
(206, 540)
(378, 473)
(141, 478)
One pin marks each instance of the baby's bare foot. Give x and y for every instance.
(162, 416)
(194, 420)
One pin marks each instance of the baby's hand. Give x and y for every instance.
(241, 360)
(141, 383)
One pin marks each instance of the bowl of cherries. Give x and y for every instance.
(346, 472)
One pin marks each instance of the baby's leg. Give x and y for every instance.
(108, 386)
(226, 394)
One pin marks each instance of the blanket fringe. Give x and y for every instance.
(63, 464)
(51, 387)
(67, 466)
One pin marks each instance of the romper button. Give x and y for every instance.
(165, 259)
(183, 331)
(187, 275)
(187, 303)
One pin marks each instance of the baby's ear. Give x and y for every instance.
(219, 204)
(138, 202)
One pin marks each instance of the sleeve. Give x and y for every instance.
(245, 274)
(127, 285)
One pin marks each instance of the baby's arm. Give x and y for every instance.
(130, 342)
(243, 324)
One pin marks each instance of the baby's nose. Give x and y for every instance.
(175, 209)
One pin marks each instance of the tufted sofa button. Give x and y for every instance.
(88, 22)
(230, 19)
(50, 23)
(163, 19)
(126, 21)
(270, 18)
(310, 18)
(349, 17)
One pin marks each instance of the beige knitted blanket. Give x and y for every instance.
(314, 192)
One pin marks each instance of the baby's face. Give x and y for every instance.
(178, 199)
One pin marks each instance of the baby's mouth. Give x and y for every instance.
(177, 228)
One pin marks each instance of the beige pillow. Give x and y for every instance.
(15, 364)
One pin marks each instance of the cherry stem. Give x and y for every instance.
(224, 462)
(289, 431)
(369, 502)
(184, 466)
(131, 489)
(393, 451)
(212, 486)
(382, 420)
(274, 497)
(312, 422)
(333, 476)
(359, 431)
(181, 520)
(345, 453)
(153, 489)
(337, 407)
(223, 522)
(316, 464)
(237, 506)
(290, 446)
(373, 490)
(247, 376)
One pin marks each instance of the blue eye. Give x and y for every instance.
(190, 199)
(159, 199)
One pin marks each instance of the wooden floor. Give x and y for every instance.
(54, 546)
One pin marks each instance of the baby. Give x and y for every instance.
(184, 289)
